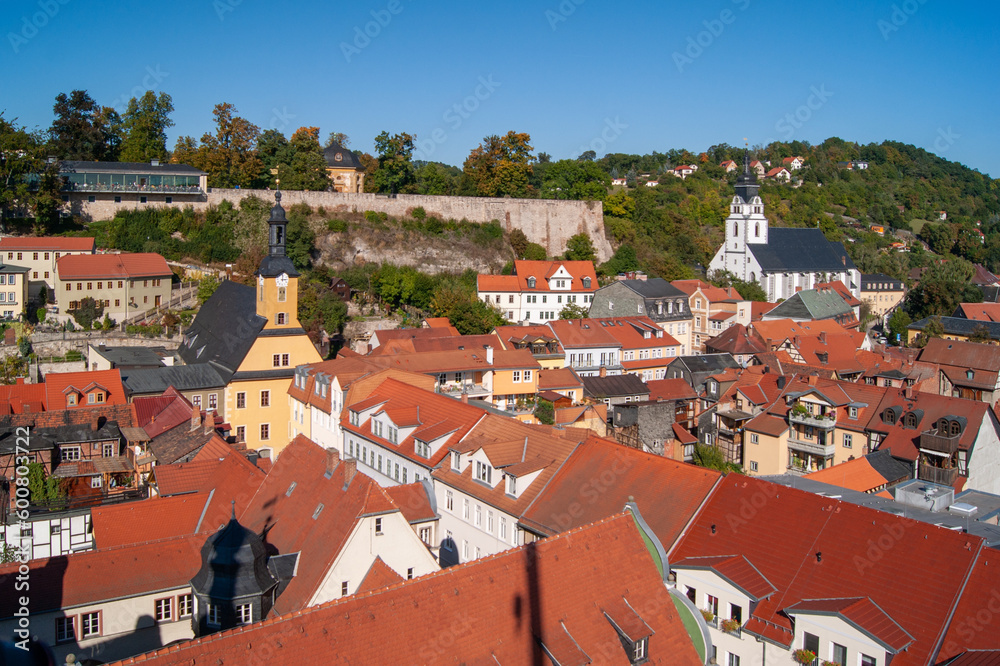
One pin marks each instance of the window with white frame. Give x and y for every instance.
(214, 615)
(848, 440)
(185, 605)
(449, 500)
(754, 438)
(484, 472)
(465, 508)
(164, 609)
(90, 625)
(244, 613)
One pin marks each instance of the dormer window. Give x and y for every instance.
(71, 399)
(484, 472)
(531, 283)
(456, 461)
(639, 650)
(512, 485)
(355, 418)
(969, 374)
(586, 283)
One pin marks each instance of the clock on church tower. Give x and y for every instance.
(277, 279)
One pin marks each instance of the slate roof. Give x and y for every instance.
(707, 363)
(143, 381)
(130, 356)
(224, 329)
(653, 288)
(615, 385)
(801, 250)
(959, 326)
(871, 282)
(812, 304)
(512, 607)
(889, 468)
(348, 160)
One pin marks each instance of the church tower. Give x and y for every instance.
(277, 279)
(746, 223)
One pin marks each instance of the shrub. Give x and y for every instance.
(336, 226)
(418, 213)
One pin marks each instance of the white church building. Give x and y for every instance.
(783, 261)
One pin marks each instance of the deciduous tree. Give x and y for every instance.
(144, 125)
(501, 165)
(394, 173)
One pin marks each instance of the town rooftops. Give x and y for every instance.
(961, 326)
(857, 474)
(568, 623)
(113, 266)
(815, 304)
(59, 385)
(812, 548)
(46, 244)
(712, 293)
(614, 386)
(736, 340)
(957, 353)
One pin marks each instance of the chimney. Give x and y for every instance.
(767, 369)
(350, 469)
(489, 355)
(195, 417)
(95, 423)
(811, 380)
(604, 371)
(908, 393)
(332, 460)
(770, 346)
(797, 341)
(465, 398)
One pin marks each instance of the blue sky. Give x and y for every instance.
(627, 77)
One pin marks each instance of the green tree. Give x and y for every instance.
(206, 287)
(501, 166)
(535, 252)
(301, 238)
(518, 243)
(82, 130)
(573, 311)
(706, 455)
(624, 260)
(24, 347)
(11, 368)
(337, 138)
(144, 125)
(42, 487)
(580, 248)
(474, 317)
(230, 155)
(394, 173)
(87, 313)
(573, 179)
(980, 333)
(933, 329)
(545, 412)
(307, 169)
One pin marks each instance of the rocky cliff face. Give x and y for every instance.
(449, 253)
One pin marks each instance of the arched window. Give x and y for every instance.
(956, 427)
(942, 427)
(736, 228)
(889, 416)
(911, 420)
(753, 276)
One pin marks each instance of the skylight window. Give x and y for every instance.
(288, 493)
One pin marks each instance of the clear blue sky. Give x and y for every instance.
(574, 74)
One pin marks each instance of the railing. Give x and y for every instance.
(71, 503)
(160, 189)
(941, 443)
(944, 476)
(824, 450)
(810, 420)
(467, 388)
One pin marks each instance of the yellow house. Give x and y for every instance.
(253, 337)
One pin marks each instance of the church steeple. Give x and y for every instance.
(746, 183)
(276, 262)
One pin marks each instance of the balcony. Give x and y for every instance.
(805, 418)
(813, 447)
(945, 444)
(467, 388)
(944, 476)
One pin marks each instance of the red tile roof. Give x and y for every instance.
(47, 243)
(811, 547)
(91, 577)
(379, 575)
(147, 520)
(497, 283)
(631, 333)
(601, 476)
(712, 293)
(414, 501)
(559, 378)
(980, 311)
(670, 389)
(58, 384)
(541, 271)
(285, 512)
(509, 606)
(124, 266)
(857, 474)
(22, 398)
(577, 333)
(863, 613)
(734, 568)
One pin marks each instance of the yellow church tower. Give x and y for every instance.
(257, 403)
